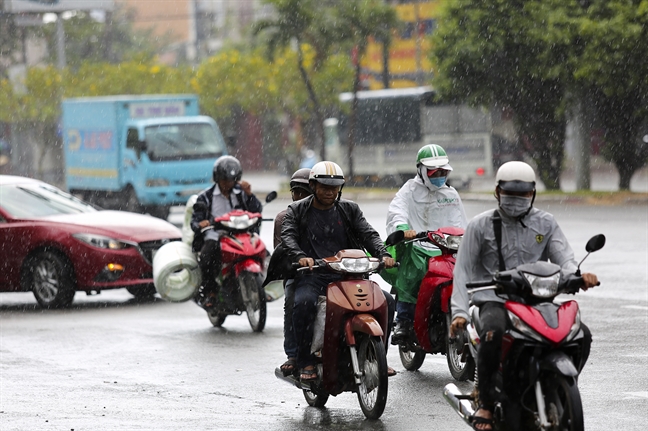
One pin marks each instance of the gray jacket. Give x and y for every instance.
(477, 259)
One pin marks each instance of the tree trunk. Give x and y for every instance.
(315, 101)
(625, 175)
(354, 120)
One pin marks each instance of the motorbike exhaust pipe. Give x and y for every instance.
(291, 380)
(459, 402)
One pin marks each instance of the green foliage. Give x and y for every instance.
(537, 56)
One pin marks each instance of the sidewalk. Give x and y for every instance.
(602, 180)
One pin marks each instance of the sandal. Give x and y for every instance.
(288, 367)
(479, 420)
(391, 372)
(308, 374)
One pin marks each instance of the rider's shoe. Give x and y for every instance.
(403, 332)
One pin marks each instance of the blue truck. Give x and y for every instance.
(140, 153)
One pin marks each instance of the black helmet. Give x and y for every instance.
(227, 168)
(300, 180)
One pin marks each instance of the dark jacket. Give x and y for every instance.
(359, 232)
(202, 209)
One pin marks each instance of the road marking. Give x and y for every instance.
(635, 307)
(643, 394)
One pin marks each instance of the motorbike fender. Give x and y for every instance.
(560, 363)
(247, 265)
(432, 290)
(365, 323)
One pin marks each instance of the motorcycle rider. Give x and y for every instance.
(228, 193)
(316, 227)
(425, 202)
(526, 235)
(299, 189)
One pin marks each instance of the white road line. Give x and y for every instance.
(643, 394)
(635, 307)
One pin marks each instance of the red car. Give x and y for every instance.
(53, 244)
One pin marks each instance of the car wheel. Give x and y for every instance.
(143, 293)
(49, 276)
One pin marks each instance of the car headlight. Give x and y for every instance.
(157, 182)
(354, 265)
(240, 222)
(101, 241)
(543, 287)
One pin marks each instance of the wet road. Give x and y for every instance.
(112, 364)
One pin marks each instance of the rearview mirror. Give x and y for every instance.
(595, 243)
(271, 196)
(395, 237)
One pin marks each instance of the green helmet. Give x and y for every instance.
(432, 156)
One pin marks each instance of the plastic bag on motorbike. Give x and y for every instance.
(318, 327)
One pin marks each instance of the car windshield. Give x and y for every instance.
(183, 141)
(25, 201)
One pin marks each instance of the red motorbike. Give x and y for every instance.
(352, 357)
(432, 317)
(541, 351)
(243, 256)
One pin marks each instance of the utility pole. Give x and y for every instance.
(61, 61)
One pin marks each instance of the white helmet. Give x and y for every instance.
(515, 177)
(328, 173)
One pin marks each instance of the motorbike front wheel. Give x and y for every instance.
(563, 403)
(461, 371)
(372, 391)
(411, 360)
(316, 399)
(254, 299)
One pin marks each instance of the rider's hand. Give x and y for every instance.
(390, 262)
(458, 324)
(410, 234)
(589, 280)
(247, 188)
(307, 261)
(203, 224)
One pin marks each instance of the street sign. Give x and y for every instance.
(45, 6)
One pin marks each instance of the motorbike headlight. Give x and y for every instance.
(543, 287)
(240, 222)
(522, 327)
(357, 266)
(101, 241)
(451, 242)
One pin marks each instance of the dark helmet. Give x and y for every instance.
(300, 180)
(227, 168)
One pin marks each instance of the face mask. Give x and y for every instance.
(514, 206)
(437, 181)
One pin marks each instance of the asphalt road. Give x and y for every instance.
(109, 363)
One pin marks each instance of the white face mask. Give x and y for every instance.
(514, 206)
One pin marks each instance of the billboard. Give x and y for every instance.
(45, 6)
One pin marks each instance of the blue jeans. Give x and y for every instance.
(290, 343)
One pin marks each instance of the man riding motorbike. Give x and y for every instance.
(425, 202)
(316, 227)
(299, 189)
(228, 193)
(513, 234)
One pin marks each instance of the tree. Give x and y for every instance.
(299, 23)
(356, 23)
(613, 67)
(488, 53)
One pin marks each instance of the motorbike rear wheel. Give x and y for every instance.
(461, 371)
(216, 318)
(411, 360)
(372, 391)
(563, 401)
(316, 399)
(254, 299)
